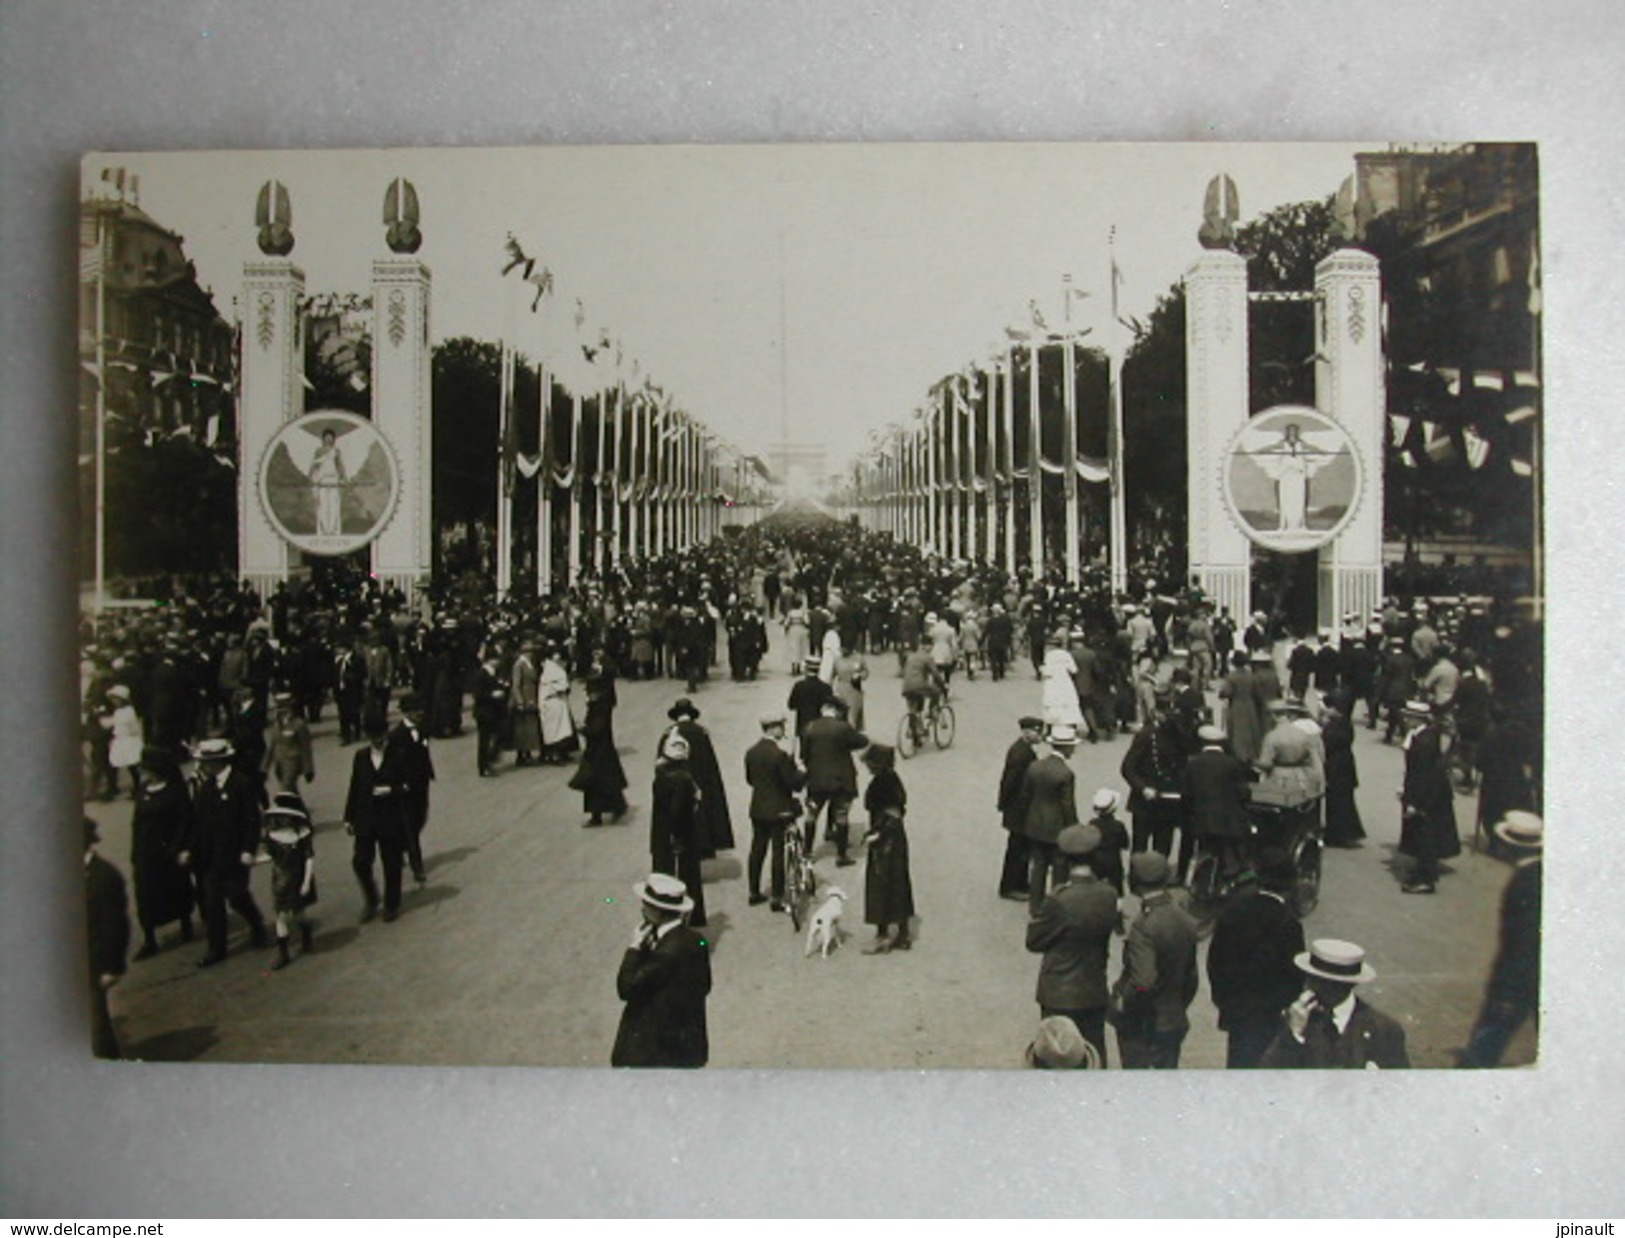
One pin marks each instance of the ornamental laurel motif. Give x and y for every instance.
(397, 317)
(267, 319)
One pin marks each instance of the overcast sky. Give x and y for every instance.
(897, 264)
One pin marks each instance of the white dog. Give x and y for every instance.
(824, 932)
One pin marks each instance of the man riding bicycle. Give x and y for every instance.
(923, 683)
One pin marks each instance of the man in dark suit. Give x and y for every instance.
(410, 753)
(107, 912)
(832, 778)
(664, 979)
(1017, 854)
(1512, 995)
(1328, 1027)
(807, 697)
(1215, 786)
(1159, 979)
(220, 846)
(1072, 929)
(1000, 637)
(1048, 804)
(1250, 968)
(1154, 769)
(774, 781)
(375, 812)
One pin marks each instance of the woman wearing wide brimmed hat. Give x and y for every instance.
(888, 886)
(158, 828)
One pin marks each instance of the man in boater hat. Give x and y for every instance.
(1328, 1027)
(664, 978)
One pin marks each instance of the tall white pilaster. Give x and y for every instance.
(401, 410)
(1351, 388)
(270, 394)
(1216, 349)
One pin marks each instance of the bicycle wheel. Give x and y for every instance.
(942, 726)
(1202, 893)
(908, 740)
(1306, 888)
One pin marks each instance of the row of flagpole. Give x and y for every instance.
(949, 479)
(660, 480)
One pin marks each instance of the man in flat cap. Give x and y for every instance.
(1073, 929)
(1017, 856)
(1159, 977)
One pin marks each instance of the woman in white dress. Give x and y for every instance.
(553, 699)
(1060, 693)
(124, 752)
(795, 631)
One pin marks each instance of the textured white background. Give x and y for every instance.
(132, 1140)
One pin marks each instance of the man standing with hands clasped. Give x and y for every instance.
(664, 979)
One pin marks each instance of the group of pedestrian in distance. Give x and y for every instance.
(215, 692)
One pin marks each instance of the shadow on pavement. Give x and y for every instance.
(425, 898)
(725, 869)
(717, 925)
(336, 939)
(184, 1044)
(443, 859)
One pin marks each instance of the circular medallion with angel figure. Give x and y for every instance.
(1292, 479)
(328, 482)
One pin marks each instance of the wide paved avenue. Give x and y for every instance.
(508, 955)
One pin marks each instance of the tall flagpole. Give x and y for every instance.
(1114, 450)
(1007, 381)
(1035, 467)
(505, 467)
(101, 408)
(544, 480)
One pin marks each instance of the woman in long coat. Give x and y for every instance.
(524, 708)
(674, 814)
(1243, 717)
(715, 825)
(599, 777)
(888, 889)
(1428, 831)
(163, 817)
(1343, 825)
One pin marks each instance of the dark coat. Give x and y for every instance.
(673, 818)
(1020, 755)
(716, 821)
(414, 767)
(1250, 969)
(1370, 1036)
(1343, 824)
(160, 825)
(225, 824)
(1155, 760)
(376, 804)
(774, 781)
(1159, 977)
(600, 777)
(1515, 976)
(1073, 931)
(827, 746)
(807, 697)
(1429, 826)
(1215, 787)
(664, 985)
(108, 919)
(1048, 799)
(888, 888)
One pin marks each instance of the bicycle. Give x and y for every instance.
(800, 881)
(935, 720)
(1208, 886)
(1296, 830)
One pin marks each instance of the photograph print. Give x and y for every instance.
(1024, 606)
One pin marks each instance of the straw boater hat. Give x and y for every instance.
(1059, 1045)
(1106, 800)
(771, 718)
(1063, 735)
(1521, 828)
(1209, 734)
(1331, 959)
(664, 893)
(811, 666)
(214, 750)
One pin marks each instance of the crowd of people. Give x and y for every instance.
(213, 677)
